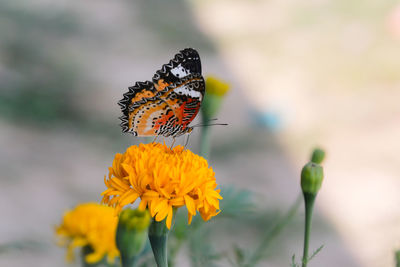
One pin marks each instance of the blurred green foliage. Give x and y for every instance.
(38, 79)
(202, 242)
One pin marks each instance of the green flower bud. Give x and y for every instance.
(135, 219)
(132, 234)
(318, 156)
(312, 175)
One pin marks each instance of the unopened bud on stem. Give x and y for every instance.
(132, 234)
(318, 156)
(312, 175)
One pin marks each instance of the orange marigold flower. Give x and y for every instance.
(92, 225)
(163, 179)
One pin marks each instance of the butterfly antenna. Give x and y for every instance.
(206, 122)
(212, 124)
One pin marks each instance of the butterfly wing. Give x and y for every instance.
(184, 63)
(152, 117)
(168, 104)
(184, 98)
(180, 84)
(145, 114)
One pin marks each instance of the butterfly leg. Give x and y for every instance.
(155, 138)
(187, 141)
(173, 143)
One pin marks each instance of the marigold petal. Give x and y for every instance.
(152, 206)
(161, 215)
(212, 201)
(190, 217)
(150, 194)
(119, 184)
(142, 205)
(78, 242)
(190, 205)
(133, 181)
(110, 191)
(128, 198)
(169, 217)
(94, 257)
(161, 209)
(110, 172)
(127, 168)
(114, 200)
(205, 208)
(204, 216)
(177, 202)
(214, 194)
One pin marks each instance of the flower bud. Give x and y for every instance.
(318, 156)
(397, 258)
(312, 175)
(132, 234)
(215, 92)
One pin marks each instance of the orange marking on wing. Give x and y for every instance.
(176, 107)
(133, 114)
(141, 95)
(146, 127)
(164, 119)
(161, 85)
(189, 117)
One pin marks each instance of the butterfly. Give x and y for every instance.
(169, 102)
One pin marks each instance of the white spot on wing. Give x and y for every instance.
(184, 90)
(180, 71)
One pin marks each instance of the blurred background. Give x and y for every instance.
(303, 74)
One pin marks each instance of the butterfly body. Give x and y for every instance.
(166, 105)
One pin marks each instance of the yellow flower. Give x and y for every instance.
(215, 93)
(93, 225)
(216, 86)
(163, 179)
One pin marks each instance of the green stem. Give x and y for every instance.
(158, 236)
(205, 141)
(309, 200)
(159, 246)
(128, 261)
